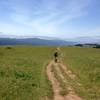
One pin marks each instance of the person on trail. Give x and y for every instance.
(56, 55)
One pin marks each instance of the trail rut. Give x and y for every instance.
(71, 95)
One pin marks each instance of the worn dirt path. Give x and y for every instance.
(55, 84)
(71, 95)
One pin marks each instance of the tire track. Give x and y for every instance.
(71, 95)
(55, 84)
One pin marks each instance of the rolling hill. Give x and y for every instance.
(34, 41)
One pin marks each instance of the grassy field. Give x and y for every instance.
(23, 77)
(85, 63)
(22, 73)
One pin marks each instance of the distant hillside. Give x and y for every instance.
(34, 41)
(6, 39)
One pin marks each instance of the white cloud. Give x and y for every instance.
(45, 17)
(93, 32)
(48, 10)
(44, 29)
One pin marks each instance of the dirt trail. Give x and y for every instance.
(55, 84)
(71, 95)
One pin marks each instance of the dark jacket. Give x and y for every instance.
(56, 54)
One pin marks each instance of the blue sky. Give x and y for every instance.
(54, 18)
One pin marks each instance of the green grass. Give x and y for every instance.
(23, 77)
(85, 63)
(22, 73)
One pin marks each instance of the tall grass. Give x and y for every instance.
(23, 77)
(85, 63)
(22, 73)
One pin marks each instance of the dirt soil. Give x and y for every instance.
(71, 95)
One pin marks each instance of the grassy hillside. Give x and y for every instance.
(85, 63)
(22, 72)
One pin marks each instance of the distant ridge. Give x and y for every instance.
(6, 39)
(34, 41)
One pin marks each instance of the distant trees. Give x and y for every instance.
(89, 45)
(97, 46)
(80, 45)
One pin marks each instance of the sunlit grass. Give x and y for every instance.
(22, 73)
(85, 63)
(23, 76)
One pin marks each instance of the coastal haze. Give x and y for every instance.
(46, 40)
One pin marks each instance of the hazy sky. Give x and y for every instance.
(57, 18)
